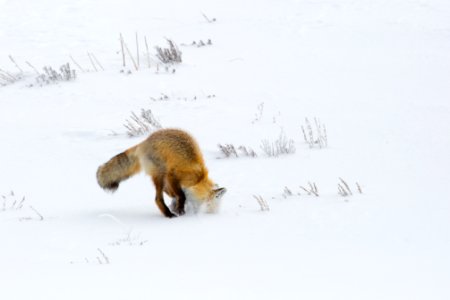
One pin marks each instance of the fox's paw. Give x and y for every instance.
(180, 211)
(170, 215)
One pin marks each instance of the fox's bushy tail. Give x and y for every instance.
(120, 167)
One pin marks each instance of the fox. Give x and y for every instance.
(173, 160)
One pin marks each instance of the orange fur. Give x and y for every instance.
(172, 158)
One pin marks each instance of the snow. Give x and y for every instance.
(376, 73)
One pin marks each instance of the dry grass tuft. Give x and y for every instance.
(171, 55)
(229, 150)
(317, 136)
(282, 145)
(311, 189)
(264, 206)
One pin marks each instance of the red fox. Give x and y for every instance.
(172, 158)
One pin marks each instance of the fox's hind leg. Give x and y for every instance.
(176, 189)
(159, 186)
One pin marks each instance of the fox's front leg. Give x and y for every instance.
(177, 191)
(173, 198)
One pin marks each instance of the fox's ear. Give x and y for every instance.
(218, 193)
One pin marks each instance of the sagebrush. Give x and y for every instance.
(50, 75)
(141, 124)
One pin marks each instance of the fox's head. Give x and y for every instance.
(213, 203)
(206, 192)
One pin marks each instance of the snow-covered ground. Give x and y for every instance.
(376, 74)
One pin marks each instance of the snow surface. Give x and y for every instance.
(377, 75)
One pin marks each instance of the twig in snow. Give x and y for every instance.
(262, 203)
(17, 66)
(74, 61)
(130, 239)
(344, 189)
(259, 114)
(8, 76)
(31, 66)
(148, 53)
(97, 62)
(131, 56)
(345, 185)
(137, 50)
(10, 202)
(359, 188)
(105, 258)
(208, 19)
(92, 62)
(41, 218)
(123, 51)
(287, 192)
(20, 203)
(4, 80)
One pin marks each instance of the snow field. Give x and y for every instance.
(375, 73)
